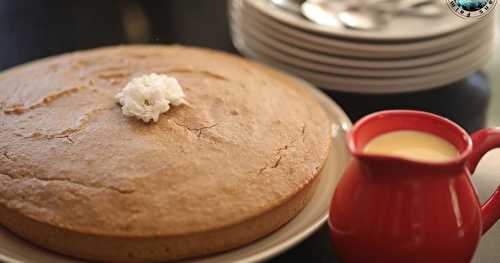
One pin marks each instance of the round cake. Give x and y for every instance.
(237, 161)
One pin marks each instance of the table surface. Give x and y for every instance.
(35, 29)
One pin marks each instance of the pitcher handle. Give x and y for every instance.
(484, 141)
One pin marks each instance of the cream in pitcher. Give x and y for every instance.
(413, 145)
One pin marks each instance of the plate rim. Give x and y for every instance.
(478, 55)
(475, 52)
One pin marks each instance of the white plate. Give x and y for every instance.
(461, 56)
(247, 28)
(349, 85)
(334, 47)
(399, 29)
(362, 85)
(16, 250)
(366, 49)
(462, 62)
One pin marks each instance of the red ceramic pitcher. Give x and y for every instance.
(389, 209)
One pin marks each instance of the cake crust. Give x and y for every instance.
(249, 142)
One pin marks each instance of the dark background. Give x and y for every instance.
(34, 29)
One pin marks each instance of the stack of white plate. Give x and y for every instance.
(408, 54)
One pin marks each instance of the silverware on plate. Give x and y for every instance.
(359, 14)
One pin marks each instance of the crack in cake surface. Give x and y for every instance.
(83, 122)
(18, 109)
(280, 156)
(7, 156)
(69, 181)
(197, 131)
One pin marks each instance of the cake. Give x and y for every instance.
(232, 165)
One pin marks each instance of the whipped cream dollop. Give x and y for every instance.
(148, 96)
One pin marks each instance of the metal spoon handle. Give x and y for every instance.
(422, 8)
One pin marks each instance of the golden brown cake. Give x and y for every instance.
(80, 178)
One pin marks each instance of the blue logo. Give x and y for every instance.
(472, 5)
(471, 8)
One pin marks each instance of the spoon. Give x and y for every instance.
(351, 14)
(366, 15)
(362, 16)
(289, 5)
(321, 12)
(359, 19)
(423, 8)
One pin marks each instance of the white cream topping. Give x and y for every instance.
(148, 96)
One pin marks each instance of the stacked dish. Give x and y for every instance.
(409, 53)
